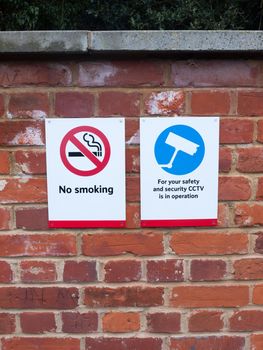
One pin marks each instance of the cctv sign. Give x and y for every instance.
(85, 172)
(179, 171)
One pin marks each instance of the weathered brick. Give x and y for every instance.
(147, 243)
(34, 298)
(121, 322)
(215, 73)
(32, 218)
(7, 323)
(80, 271)
(223, 215)
(4, 162)
(259, 194)
(209, 296)
(75, 322)
(234, 188)
(257, 298)
(206, 321)
(257, 341)
(74, 104)
(23, 190)
(211, 102)
(30, 73)
(6, 274)
(37, 322)
(260, 130)
(133, 215)
(248, 215)
(171, 270)
(121, 73)
(2, 106)
(208, 343)
(132, 160)
(132, 131)
(27, 343)
(30, 162)
(225, 160)
(38, 271)
(250, 103)
(250, 160)
(132, 188)
(28, 105)
(236, 131)
(113, 103)
(165, 103)
(246, 321)
(122, 271)
(161, 322)
(122, 344)
(123, 296)
(5, 218)
(192, 243)
(38, 245)
(207, 270)
(248, 269)
(259, 243)
(22, 132)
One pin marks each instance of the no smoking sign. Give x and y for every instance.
(86, 172)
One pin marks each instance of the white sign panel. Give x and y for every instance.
(86, 172)
(179, 171)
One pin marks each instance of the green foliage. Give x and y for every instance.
(130, 14)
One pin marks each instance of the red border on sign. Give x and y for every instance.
(85, 223)
(169, 223)
(70, 136)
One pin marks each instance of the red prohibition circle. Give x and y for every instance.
(99, 165)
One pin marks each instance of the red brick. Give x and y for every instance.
(207, 270)
(200, 243)
(257, 341)
(121, 322)
(250, 160)
(258, 295)
(133, 215)
(40, 344)
(28, 105)
(38, 245)
(6, 274)
(21, 132)
(30, 73)
(123, 296)
(122, 344)
(31, 218)
(171, 270)
(211, 102)
(80, 271)
(208, 343)
(75, 322)
(38, 271)
(122, 271)
(209, 296)
(225, 160)
(23, 190)
(74, 104)
(259, 243)
(248, 215)
(217, 73)
(30, 162)
(248, 269)
(133, 188)
(132, 131)
(121, 73)
(161, 322)
(250, 103)
(4, 162)
(113, 103)
(223, 215)
(5, 218)
(7, 323)
(234, 188)
(259, 195)
(132, 160)
(2, 106)
(165, 103)
(260, 131)
(206, 321)
(236, 131)
(246, 321)
(37, 322)
(147, 243)
(34, 298)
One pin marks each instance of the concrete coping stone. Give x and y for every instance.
(131, 41)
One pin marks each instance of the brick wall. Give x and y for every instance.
(131, 289)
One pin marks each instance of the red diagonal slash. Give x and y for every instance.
(85, 151)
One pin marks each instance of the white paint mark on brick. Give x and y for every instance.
(164, 103)
(97, 75)
(31, 136)
(3, 184)
(135, 139)
(34, 114)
